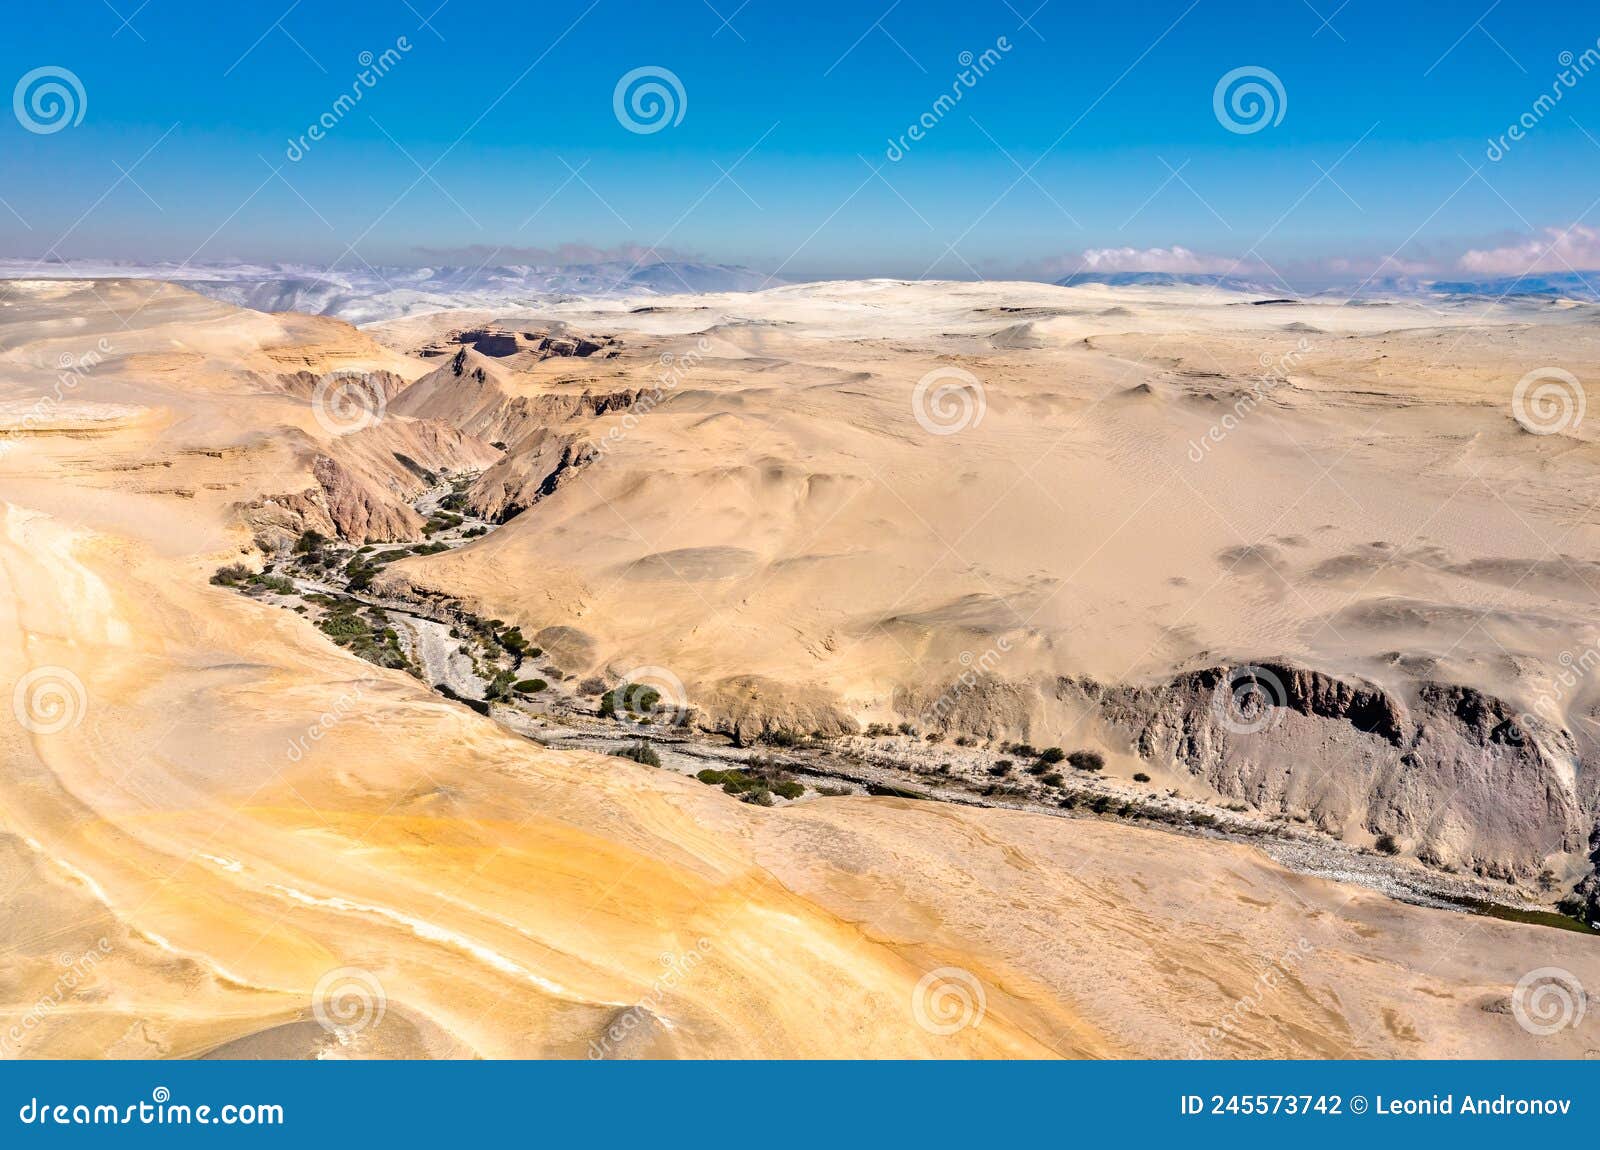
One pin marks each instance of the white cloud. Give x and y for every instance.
(1174, 259)
(1559, 249)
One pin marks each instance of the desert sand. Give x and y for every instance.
(222, 830)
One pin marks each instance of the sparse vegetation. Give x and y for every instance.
(1387, 844)
(640, 752)
(1087, 760)
(1140, 777)
(634, 698)
(761, 777)
(275, 583)
(233, 575)
(500, 686)
(369, 637)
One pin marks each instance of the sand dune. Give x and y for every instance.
(223, 835)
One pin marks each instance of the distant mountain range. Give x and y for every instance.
(1570, 285)
(365, 294)
(1169, 279)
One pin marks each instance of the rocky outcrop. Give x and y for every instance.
(303, 384)
(529, 346)
(1457, 777)
(360, 512)
(476, 395)
(534, 471)
(747, 707)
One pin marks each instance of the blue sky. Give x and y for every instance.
(787, 109)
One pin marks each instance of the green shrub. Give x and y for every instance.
(275, 583)
(640, 752)
(1052, 755)
(232, 575)
(1140, 777)
(531, 686)
(1001, 768)
(1387, 844)
(1051, 780)
(1087, 760)
(636, 699)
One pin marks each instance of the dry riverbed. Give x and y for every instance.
(492, 668)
